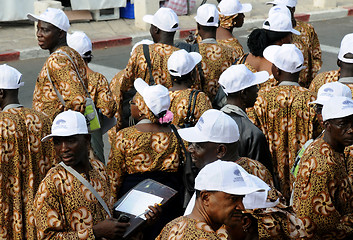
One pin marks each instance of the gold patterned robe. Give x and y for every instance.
(284, 115)
(25, 161)
(323, 192)
(137, 68)
(322, 78)
(64, 76)
(232, 43)
(66, 209)
(215, 60)
(190, 229)
(179, 102)
(308, 43)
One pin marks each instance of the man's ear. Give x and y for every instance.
(221, 151)
(339, 63)
(2, 93)
(205, 197)
(246, 222)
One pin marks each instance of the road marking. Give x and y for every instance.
(108, 72)
(329, 49)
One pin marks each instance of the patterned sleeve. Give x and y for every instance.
(313, 199)
(315, 51)
(116, 163)
(66, 80)
(102, 95)
(49, 215)
(203, 104)
(317, 82)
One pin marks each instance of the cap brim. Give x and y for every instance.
(196, 56)
(273, 3)
(192, 134)
(148, 19)
(295, 32)
(140, 85)
(317, 101)
(33, 17)
(270, 52)
(244, 190)
(245, 7)
(46, 138)
(261, 77)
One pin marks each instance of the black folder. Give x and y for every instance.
(147, 186)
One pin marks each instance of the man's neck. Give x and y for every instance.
(57, 47)
(236, 102)
(334, 145)
(199, 213)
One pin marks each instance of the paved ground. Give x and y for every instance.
(18, 39)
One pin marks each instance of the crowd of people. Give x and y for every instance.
(257, 145)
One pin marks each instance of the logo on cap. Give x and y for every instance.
(199, 124)
(60, 124)
(328, 90)
(348, 104)
(237, 176)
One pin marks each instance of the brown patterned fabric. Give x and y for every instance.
(190, 229)
(309, 45)
(99, 90)
(232, 43)
(137, 68)
(284, 115)
(227, 22)
(278, 223)
(215, 60)
(64, 76)
(65, 209)
(324, 77)
(25, 161)
(323, 192)
(133, 151)
(180, 102)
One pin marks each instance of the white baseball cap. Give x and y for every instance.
(144, 41)
(213, 126)
(10, 78)
(239, 77)
(165, 19)
(289, 3)
(156, 97)
(228, 177)
(279, 22)
(181, 62)
(53, 16)
(286, 57)
(80, 42)
(279, 9)
(66, 124)
(232, 7)
(207, 15)
(332, 89)
(337, 107)
(346, 47)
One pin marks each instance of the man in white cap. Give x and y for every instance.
(345, 63)
(74, 200)
(215, 57)
(283, 112)
(308, 43)
(98, 87)
(59, 86)
(164, 24)
(24, 159)
(220, 188)
(231, 15)
(187, 104)
(323, 195)
(241, 87)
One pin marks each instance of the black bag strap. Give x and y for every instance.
(194, 104)
(187, 164)
(199, 66)
(188, 114)
(146, 52)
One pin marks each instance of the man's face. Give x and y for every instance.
(225, 208)
(203, 153)
(341, 131)
(72, 149)
(48, 35)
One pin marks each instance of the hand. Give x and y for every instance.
(110, 228)
(153, 214)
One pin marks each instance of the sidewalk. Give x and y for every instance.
(18, 39)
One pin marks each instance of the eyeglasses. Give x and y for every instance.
(131, 102)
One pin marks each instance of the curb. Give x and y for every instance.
(13, 55)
